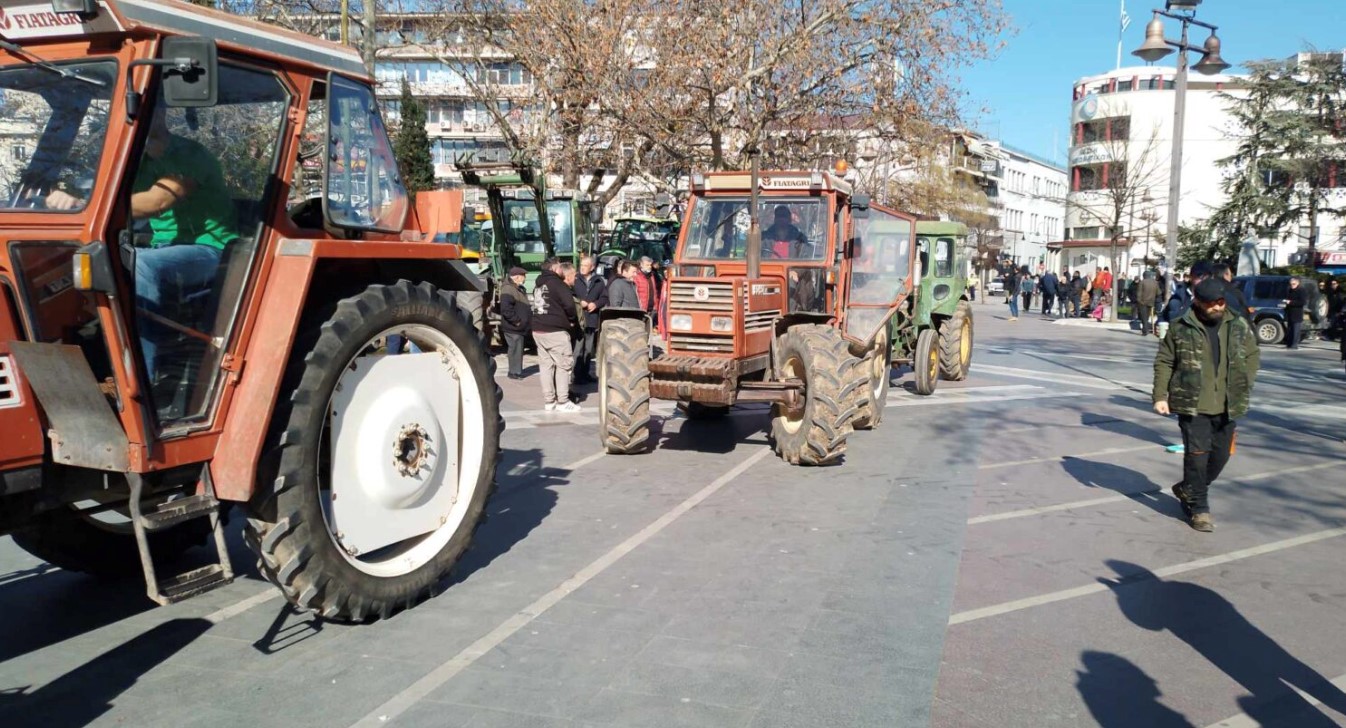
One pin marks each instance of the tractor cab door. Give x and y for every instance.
(198, 189)
(882, 270)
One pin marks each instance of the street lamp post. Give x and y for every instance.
(1155, 47)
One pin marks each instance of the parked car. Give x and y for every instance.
(1265, 296)
(997, 285)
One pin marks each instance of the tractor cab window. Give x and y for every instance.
(364, 190)
(881, 270)
(943, 257)
(792, 228)
(524, 233)
(52, 127)
(198, 201)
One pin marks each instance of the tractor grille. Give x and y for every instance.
(9, 384)
(759, 320)
(714, 296)
(702, 342)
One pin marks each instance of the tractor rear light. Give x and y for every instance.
(721, 324)
(831, 277)
(680, 322)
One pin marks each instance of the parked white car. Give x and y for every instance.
(997, 285)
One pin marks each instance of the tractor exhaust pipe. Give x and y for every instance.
(754, 255)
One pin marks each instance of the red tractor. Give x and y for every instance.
(214, 290)
(793, 311)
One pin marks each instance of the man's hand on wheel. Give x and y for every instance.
(1161, 407)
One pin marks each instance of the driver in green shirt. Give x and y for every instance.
(179, 190)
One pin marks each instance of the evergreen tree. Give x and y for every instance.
(412, 145)
(1291, 129)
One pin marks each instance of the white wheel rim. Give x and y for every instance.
(412, 553)
(793, 369)
(879, 367)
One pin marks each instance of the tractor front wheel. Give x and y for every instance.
(379, 466)
(816, 434)
(624, 386)
(955, 344)
(926, 361)
(876, 369)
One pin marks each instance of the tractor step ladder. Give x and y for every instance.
(173, 513)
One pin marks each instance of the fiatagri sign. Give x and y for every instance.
(24, 22)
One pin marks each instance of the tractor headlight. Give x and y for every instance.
(680, 322)
(721, 324)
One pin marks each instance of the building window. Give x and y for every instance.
(1086, 233)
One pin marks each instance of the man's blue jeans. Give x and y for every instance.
(1014, 305)
(165, 277)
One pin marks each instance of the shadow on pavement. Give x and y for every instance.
(1126, 481)
(524, 497)
(1216, 630)
(82, 695)
(48, 608)
(1121, 695)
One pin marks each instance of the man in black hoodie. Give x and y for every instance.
(554, 317)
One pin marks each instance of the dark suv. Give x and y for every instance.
(1265, 295)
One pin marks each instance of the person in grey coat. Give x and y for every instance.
(622, 290)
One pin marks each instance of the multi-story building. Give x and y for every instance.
(1120, 157)
(1032, 202)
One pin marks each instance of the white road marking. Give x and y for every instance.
(996, 610)
(588, 417)
(404, 700)
(1053, 458)
(585, 461)
(1125, 497)
(1243, 721)
(237, 608)
(1073, 380)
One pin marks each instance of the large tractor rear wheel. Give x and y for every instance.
(955, 344)
(624, 386)
(816, 435)
(876, 369)
(379, 467)
(925, 362)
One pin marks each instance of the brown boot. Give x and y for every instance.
(1180, 493)
(1202, 522)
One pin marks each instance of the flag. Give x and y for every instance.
(1126, 20)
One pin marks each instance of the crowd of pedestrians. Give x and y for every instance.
(562, 315)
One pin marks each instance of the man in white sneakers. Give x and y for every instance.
(554, 318)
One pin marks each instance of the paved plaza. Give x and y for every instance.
(1002, 553)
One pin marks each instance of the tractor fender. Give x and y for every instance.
(288, 294)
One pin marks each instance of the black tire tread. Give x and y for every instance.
(624, 428)
(295, 552)
(830, 400)
(951, 366)
(869, 410)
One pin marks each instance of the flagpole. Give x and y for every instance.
(1122, 22)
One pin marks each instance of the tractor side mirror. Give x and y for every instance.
(192, 78)
(860, 206)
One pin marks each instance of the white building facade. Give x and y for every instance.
(1031, 204)
(1122, 133)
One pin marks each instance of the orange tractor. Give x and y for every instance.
(793, 310)
(214, 290)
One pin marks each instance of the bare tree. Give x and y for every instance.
(1113, 190)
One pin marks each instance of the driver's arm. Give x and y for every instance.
(162, 195)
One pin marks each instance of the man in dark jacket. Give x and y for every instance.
(554, 318)
(592, 292)
(1049, 290)
(1147, 292)
(1078, 284)
(516, 314)
(1181, 300)
(622, 290)
(1297, 300)
(1233, 294)
(1204, 372)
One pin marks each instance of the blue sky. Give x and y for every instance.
(1023, 96)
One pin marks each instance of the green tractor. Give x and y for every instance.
(934, 332)
(528, 224)
(636, 236)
